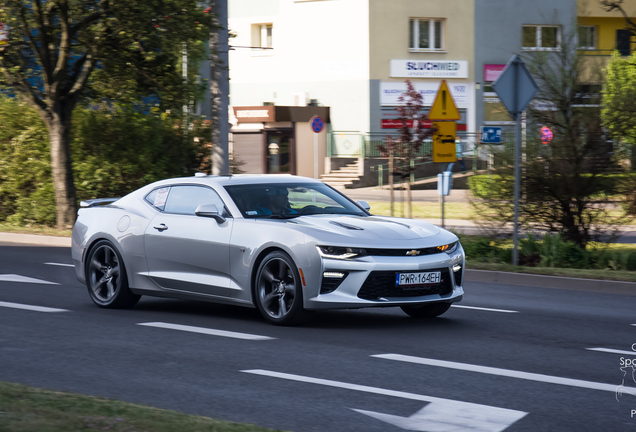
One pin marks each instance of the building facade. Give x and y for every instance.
(347, 61)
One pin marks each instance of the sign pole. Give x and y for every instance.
(315, 155)
(516, 88)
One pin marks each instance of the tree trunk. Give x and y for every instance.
(65, 199)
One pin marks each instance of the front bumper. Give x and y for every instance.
(376, 274)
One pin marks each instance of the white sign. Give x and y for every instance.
(429, 69)
(390, 92)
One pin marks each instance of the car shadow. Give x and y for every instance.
(345, 319)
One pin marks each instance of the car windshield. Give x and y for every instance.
(289, 200)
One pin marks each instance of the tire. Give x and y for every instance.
(106, 278)
(426, 310)
(278, 293)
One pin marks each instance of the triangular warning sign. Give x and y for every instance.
(444, 107)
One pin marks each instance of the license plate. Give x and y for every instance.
(405, 279)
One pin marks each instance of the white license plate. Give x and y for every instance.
(404, 279)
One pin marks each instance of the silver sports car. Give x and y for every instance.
(286, 245)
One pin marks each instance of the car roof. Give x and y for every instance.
(237, 179)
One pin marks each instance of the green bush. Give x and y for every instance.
(115, 150)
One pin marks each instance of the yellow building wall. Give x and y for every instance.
(606, 31)
(389, 32)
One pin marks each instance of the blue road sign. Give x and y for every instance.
(490, 135)
(317, 124)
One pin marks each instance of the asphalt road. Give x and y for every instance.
(521, 363)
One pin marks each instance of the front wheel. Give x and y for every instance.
(278, 290)
(431, 310)
(106, 278)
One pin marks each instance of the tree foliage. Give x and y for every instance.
(563, 187)
(62, 51)
(115, 151)
(405, 148)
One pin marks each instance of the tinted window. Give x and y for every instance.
(290, 199)
(186, 199)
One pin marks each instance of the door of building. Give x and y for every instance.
(280, 152)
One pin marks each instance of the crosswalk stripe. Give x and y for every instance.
(500, 372)
(484, 309)
(18, 278)
(207, 331)
(613, 351)
(30, 307)
(60, 264)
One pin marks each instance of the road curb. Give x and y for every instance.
(34, 239)
(574, 284)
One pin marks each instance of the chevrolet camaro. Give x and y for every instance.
(286, 245)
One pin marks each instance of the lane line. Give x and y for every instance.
(613, 351)
(31, 307)
(18, 278)
(484, 309)
(465, 415)
(60, 264)
(500, 372)
(207, 331)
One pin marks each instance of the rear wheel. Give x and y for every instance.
(278, 290)
(430, 310)
(106, 278)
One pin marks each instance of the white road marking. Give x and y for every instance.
(484, 309)
(443, 414)
(501, 372)
(613, 351)
(30, 307)
(207, 331)
(18, 278)
(60, 264)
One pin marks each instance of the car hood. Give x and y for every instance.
(369, 227)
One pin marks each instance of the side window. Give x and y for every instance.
(157, 198)
(186, 199)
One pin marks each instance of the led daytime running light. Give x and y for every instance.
(337, 252)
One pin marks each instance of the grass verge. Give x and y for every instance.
(25, 408)
(617, 275)
(39, 230)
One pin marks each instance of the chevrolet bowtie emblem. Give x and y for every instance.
(413, 252)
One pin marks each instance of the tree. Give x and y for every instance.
(405, 148)
(565, 180)
(63, 51)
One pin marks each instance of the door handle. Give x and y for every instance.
(161, 227)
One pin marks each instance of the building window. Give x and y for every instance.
(587, 37)
(262, 35)
(623, 41)
(540, 38)
(426, 34)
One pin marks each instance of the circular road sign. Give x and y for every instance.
(317, 124)
(546, 135)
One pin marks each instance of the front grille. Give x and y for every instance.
(382, 284)
(401, 252)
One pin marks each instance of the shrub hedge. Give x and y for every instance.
(115, 150)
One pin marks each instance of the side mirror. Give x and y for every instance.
(365, 205)
(211, 211)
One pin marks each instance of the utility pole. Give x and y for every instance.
(219, 87)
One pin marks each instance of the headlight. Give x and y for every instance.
(449, 248)
(337, 252)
